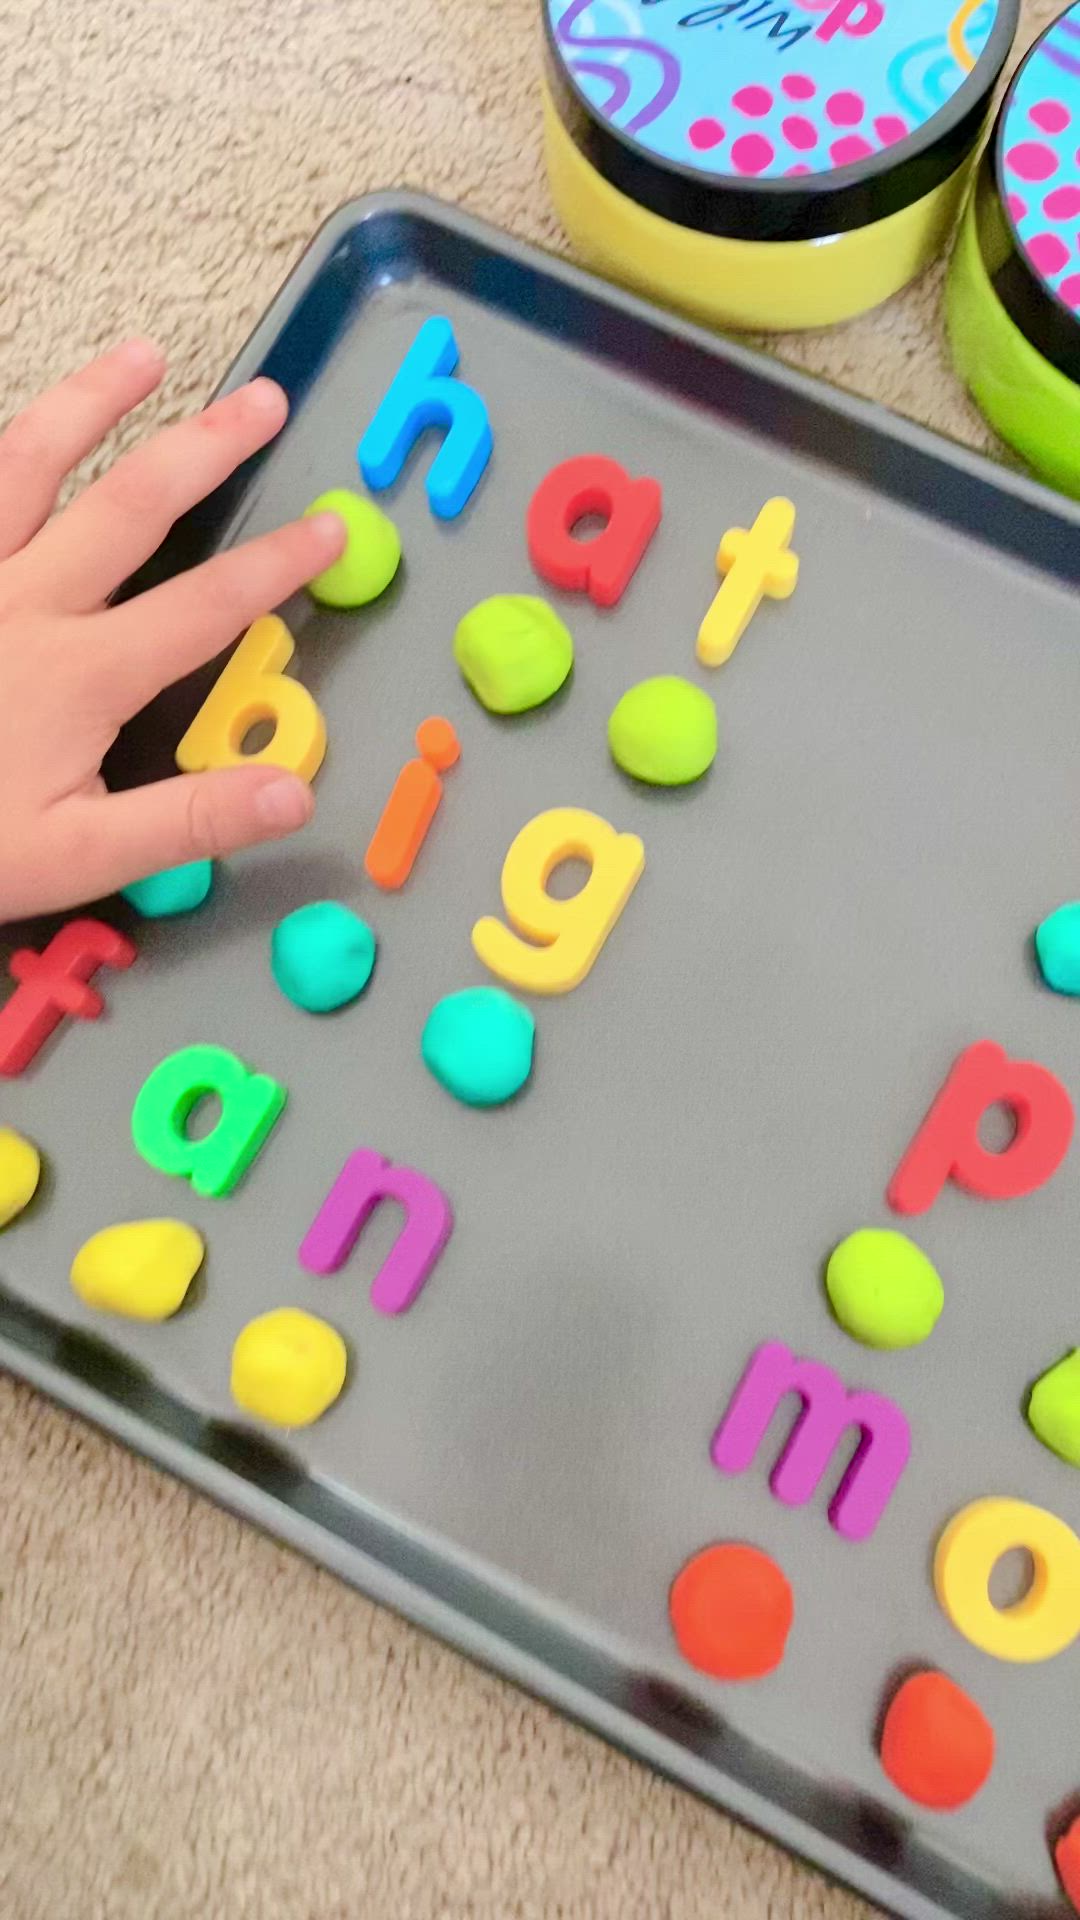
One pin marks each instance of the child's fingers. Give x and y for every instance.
(43, 443)
(114, 839)
(160, 636)
(84, 555)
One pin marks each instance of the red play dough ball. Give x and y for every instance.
(1067, 1862)
(731, 1611)
(937, 1746)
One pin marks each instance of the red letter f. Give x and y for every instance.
(54, 983)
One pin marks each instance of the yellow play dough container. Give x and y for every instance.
(765, 165)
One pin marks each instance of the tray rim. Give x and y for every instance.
(28, 1338)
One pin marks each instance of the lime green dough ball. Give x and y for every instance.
(514, 652)
(883, 1289)
(372, 552)
(664, 732)
(1054, 1409)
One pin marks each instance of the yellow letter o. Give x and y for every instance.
(1047, 1619)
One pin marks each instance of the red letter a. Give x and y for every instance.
(604, 566)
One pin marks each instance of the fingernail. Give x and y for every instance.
(143, 353)
(266, 395)
(284, 804)
(329, 529)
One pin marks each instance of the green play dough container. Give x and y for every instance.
(1013, 291)
(1035, 408)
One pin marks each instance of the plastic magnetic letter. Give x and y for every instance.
(251, 1104)
(947, 1145)
(365, 1180)
(1047, 1619)
(829, 1412)
(250, 689)
(603, 566)
(424, 394)
(54, 983)
(562, 938)
(755, 562)
(412, 805)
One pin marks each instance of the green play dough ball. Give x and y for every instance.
(372, 552)
(321, 956)
(664, 731)
(1054, 1408)
(479, 1045)
(883, 1289)
(1057, 944)
(514, 652)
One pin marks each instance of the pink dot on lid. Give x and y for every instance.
(798, 86)
(799, 133)
(799, 167)
(1062, 204)
(1052, 116)
(1016, 206)
(845, 109)
(751, 153)
(1070, 291)
(1048, 253)
(1030, 160)
(851, 148)
(754, 101)
(890, 128)
(705, 134)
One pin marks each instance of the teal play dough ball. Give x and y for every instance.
(321, 956)
(514, 652)
(174, 890)
(664, 732)
(883, 1289)
(479, 1045)
(1057, 944)
(372, 551)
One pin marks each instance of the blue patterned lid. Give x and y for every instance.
(705, 111)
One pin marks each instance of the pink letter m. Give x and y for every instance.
(828, 1412)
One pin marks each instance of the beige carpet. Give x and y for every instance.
(194, 1725)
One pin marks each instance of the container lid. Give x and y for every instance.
(766, 119)
(1028, 199)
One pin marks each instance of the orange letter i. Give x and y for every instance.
(412, 805)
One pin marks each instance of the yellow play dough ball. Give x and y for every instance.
(288, 1367)
(141, 1268)
(20, 1171)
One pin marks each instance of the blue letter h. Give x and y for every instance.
(422, 394)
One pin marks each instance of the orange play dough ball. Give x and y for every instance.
(731, 1611)
(1067, 1861)
(937, 1746)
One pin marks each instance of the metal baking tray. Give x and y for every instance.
(521, 1463)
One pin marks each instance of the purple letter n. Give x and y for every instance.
(828, 1411)
(365, 1180)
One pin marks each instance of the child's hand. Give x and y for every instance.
(72, 671)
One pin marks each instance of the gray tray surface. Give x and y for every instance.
(522, 1460)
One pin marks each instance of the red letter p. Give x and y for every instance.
(947, 1145)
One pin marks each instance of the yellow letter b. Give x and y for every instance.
(250, 689)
